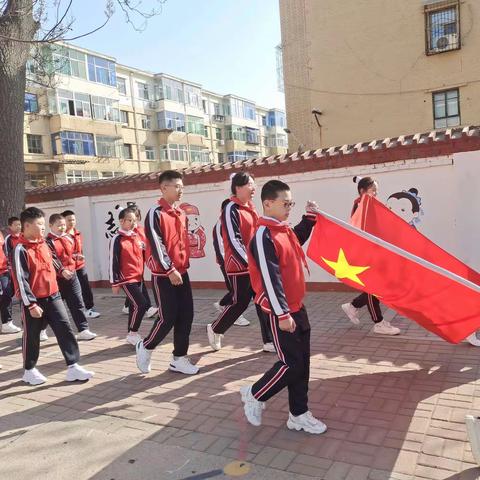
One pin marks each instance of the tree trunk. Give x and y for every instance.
(16, 22)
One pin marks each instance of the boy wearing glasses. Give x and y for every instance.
(167, 257)
(276, 263)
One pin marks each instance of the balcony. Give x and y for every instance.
(218, 118)
(84, 124)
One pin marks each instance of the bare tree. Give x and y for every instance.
(26, 28)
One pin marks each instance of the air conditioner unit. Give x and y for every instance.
(221, 142)
(152, 105)
(446, 42)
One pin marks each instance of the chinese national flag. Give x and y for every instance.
(439, 300)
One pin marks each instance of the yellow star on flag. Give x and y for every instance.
(343, 269)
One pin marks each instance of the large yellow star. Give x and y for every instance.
(343, 269)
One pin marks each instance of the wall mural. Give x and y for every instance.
(196, 233)
(408, 205)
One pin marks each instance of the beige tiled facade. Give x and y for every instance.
(101, 119)
(378, 68)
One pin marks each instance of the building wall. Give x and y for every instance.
(363, 64)
(447, 185)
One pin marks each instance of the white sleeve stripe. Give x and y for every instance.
(218, 233)
(158, 244)
(112, 243)
(236, 244)
(266, 274)
(19, 272)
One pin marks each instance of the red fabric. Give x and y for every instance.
(78, 250)
(64, 248)
(375, 218)
(3, 258)
(42, 277)
(291, 259)
(131, 257)
(435, 301)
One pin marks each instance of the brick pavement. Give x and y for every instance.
(395, 407)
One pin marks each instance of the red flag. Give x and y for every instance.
(437, 299)
(375, 218)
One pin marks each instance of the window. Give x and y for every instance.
(150, 153)
(446, 108)
(105, 109)
(75, 104)
(124, 117)
(34, 143)
(73, 143)
(240, 109)
(174, 152)
(107, 146)
(77, 176)
(69, 62)
(218, 133)
(276, 118)
(252, 135)
(142, 90)
(171, 121)
(82, 105)
(101, 70)
(199, 154)
(31, 103)
(234, 132)
(236, 156)
(205, 133)
(111, 174)
(146, 121)
(278, 140)
(442, 28)
(127, 151)
(122, 85)
(195, 125)
(249, 111)
(220, 157)
(36, 180)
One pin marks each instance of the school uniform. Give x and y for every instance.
(276, 265)
(371, 301)
(168, 251)
(126, 270)
(220, 258)
(6, 289)
(238, 222)
(81, 270)
(35, 282)
(62, 248)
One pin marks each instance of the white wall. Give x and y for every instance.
(448, 186)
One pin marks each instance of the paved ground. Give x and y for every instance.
(395, 407)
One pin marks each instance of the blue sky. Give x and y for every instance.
(226, 45)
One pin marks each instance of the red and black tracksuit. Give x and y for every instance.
(62, 247)
(168, 251)
(35, 282)
(371, 301)
(81, 270)
(220, 256)
(127, 250)
(6, 289)
(141, 232)
(276, 269)
(238, 222)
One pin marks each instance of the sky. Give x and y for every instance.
(228, 46)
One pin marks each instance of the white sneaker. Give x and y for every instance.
(218, 306)
(43, 335)
(86, 335)
(9, 327)
(269, 347)
(33, 377)
(473, 339)
(151, 312)
(183, 365)
(384, 328)
(143, 357)
(306, 422)
(76, 372)
(125, 310)
(351, 312)
(133, 338)
(92, 313)
(252, 407)
(214, 339)
(241, 321)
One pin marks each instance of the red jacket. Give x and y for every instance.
(78, 249)
(140, 231)
(3, 256)
(34, 275)
(238, 226)
(62, 248)
(276, 264)
(126, 258)
(167, 240)
(11, 241)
